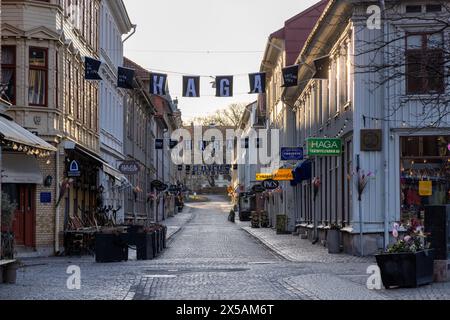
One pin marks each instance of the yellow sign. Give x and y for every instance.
(284, 175)
(263, 176)
(425, 188)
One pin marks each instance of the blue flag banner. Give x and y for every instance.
(125, 78)
(257, 82)
(224, 86)
(91, 69)
(158, 83)
(191, 86)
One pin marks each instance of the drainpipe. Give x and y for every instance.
(57, 221)
(386, 132)
(134, 26)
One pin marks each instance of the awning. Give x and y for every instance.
(302, 172)
(113, 172)
(12, 132)
(71, 145)
(20, 168)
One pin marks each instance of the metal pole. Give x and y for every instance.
(361, 247)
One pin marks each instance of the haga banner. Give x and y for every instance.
(224, 86)
(290, 76)
(191, 86)
(158, 83)
(91, 69)
(257, 82)
(125, 78)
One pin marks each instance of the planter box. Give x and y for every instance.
(334, 241)
(144, 246)
(111, 247)
(133, 232)
(406, 270)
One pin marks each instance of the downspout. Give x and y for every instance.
(58, 191)
(386, 131)
(134, 26)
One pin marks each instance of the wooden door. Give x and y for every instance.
(25, 219)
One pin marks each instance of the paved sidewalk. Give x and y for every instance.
(175, 223)
(295, 249)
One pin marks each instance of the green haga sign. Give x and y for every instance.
(324, 147)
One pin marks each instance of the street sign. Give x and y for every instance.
(263, 176)
(270, 184)
(46, 197)
(129, 168)
(74, 169)
(290, 154)
(159, 144)
(324, 147)
(284, 175)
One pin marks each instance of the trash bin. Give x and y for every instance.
(144, 246)
(281, 223)
(111, 247)
(10, 273)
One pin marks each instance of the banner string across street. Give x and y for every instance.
(191, 83)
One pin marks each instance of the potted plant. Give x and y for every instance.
(409, 262)
(8, 210)
(334, 239)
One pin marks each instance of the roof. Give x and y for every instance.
(11, 131)
(296, 31)
(140, 72)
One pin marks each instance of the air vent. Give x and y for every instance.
(414, 9)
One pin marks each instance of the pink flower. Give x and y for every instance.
(407, 239)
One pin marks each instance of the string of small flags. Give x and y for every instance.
(191, 83)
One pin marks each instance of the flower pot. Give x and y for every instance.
(406, 270)
(10, 273)
(333, 241)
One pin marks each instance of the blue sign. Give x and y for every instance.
(46, 197)
(74, 169)
(294, 154)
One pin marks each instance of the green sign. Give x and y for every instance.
(324, 147)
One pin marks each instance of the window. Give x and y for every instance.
(414, 9)
(9, 73)
(425, 63)
(433, 8)
(37, 79)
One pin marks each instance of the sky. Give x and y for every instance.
(207, 38)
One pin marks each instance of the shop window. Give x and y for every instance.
(425, 174)
(9, 73)
(425, 63)
(37, 78)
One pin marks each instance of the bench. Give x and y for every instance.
(5, 265)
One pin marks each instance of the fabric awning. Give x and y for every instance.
(113, 172)
(20, 168)
(302, 172)
(11, 131)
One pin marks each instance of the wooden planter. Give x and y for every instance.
(406, 270)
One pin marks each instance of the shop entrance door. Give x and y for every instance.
(25, 218)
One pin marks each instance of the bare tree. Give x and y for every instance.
(229, 116)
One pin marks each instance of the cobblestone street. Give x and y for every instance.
(210, 258)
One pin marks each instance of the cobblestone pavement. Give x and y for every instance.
(210, 258)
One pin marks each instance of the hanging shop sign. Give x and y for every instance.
(125, 78)
(74, 169)
(159, 144)
(173, 144)
(159, 186)
(257, 188)
(129, 168)
(283, 175)
(371, 140)
(263, 176)
(291, 154)
(290, 76)
(270, 184)
(425, 188)
(324, 147)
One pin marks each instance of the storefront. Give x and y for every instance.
(425, 174)
(20, 152)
